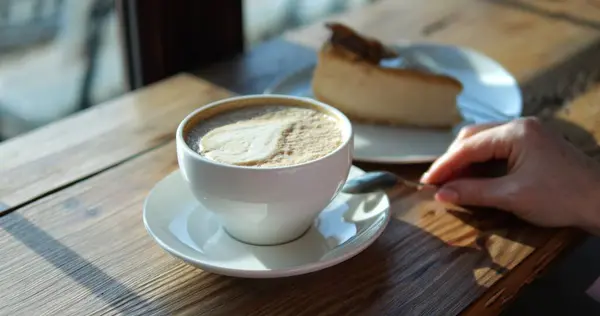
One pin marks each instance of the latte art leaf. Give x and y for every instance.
(244, 143)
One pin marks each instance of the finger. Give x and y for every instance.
(488, 192)
(490, 144)
(471, 130)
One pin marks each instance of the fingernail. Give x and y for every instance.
(447, 195)
(424, 177)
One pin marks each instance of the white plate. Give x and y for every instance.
(186, 230)
(490, 94)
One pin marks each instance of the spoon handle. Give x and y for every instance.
(379, 181)
(417, 185)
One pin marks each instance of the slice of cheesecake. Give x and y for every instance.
(349, 76)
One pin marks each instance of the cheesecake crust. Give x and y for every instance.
(350, 45)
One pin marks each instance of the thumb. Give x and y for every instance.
(486, 192)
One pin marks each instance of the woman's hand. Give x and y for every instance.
(549, 182)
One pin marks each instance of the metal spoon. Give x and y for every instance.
(379, 181)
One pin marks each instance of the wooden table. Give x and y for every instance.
(71, 193)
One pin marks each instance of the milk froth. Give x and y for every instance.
(266, 136)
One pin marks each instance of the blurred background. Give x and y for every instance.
(58, 57)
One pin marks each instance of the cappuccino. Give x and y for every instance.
(266, 136)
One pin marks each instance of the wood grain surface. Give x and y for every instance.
(578, 12)
(88, 142)
(579, 120)
(85, 249)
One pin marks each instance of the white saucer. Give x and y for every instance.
(186, 230)
(490, 94)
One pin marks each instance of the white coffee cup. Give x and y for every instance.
(265, 206)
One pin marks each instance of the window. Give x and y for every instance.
(57, 57)
(265, 19)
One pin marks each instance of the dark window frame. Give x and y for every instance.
(165, 37)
